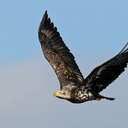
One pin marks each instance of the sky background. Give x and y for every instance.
(94, 30)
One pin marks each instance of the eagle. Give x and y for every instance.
(73, 86)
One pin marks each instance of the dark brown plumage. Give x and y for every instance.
(106, 73)
(73, 86)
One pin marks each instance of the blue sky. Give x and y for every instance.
(93, 30)
(85, 25)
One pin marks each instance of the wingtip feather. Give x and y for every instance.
(43, 23)
(45, 17)
(124, 49)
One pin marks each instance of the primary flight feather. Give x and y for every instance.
(73, 86)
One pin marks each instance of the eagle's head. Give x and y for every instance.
(62, 94)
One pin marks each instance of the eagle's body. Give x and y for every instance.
(74, 87)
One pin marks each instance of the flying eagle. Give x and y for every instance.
(73, 86)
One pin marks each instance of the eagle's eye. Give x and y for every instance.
(64, 93)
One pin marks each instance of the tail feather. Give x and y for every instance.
(103, 97)
(109, 98)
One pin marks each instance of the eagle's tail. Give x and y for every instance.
(104, 97)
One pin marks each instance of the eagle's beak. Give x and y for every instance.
(56, 93)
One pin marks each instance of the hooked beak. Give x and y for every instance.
(56, 93)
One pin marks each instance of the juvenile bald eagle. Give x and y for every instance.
(73, 87)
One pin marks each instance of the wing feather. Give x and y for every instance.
(106, 73)
(58, 54)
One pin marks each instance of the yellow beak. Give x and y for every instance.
(56, 93)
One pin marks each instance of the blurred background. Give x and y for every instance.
(94, 30)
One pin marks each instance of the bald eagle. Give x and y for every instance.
(73, 86)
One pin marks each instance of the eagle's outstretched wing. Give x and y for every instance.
(106, 73)
(57, 54)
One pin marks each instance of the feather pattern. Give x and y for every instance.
(57, 54)
(106, 73)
